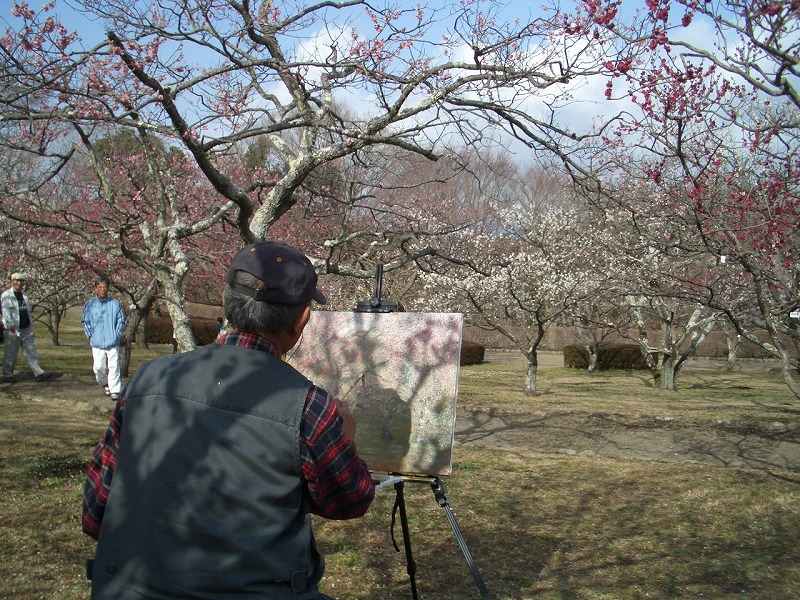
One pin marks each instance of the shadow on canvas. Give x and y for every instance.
(399, 374)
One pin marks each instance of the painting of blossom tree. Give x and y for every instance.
(399, 374)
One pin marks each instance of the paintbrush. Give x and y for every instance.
(350, 389)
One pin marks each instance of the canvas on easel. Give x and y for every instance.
(399, 373)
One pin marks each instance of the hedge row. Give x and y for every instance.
(159, 330)
(611, 356)
(472, 353)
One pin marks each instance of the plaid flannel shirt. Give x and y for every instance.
(338, 481)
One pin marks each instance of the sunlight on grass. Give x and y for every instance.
(698, 394)
(74, 355)
(539, 526)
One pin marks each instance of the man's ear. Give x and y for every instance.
(302, 321)
(291, 336)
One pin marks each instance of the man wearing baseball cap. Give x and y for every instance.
(214, 460)
(18, 323)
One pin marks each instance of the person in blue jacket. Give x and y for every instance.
(103, 323)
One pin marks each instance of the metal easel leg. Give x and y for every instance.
(441, 499)
(400, 505)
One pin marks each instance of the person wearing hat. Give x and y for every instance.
(214, 460)
(18, 325)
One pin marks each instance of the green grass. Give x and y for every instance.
(77, 360)
(700, 394)
(74, 356)
(539, 526)
(545, 527)
(45, 449)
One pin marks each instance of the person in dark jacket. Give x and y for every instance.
(103, 323)
(214, 460)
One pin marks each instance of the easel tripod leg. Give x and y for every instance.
(441, 499)
(411, 567)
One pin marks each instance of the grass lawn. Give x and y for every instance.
(541, 526)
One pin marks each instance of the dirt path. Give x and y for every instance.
(760, 445)
(756, 445)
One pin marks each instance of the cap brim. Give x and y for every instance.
(319, 297)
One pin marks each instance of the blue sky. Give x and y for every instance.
(588, 94)
(91, 30)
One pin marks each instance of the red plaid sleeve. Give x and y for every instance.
(100, 474)
(339, 484)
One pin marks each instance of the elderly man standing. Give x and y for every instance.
(19, 330)
(103, 323)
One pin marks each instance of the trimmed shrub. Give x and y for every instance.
(610, 356)
(472, 353)
(205, 331)
(159, 330)
(621, 356)
(576, 357)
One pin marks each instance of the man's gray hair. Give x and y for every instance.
(247, 315)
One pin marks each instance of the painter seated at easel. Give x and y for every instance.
(213, 461)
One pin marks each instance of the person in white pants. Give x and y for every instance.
(103, 323)
(18, 324)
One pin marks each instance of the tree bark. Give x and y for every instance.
(533, 368)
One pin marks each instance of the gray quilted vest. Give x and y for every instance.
(208, 499)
